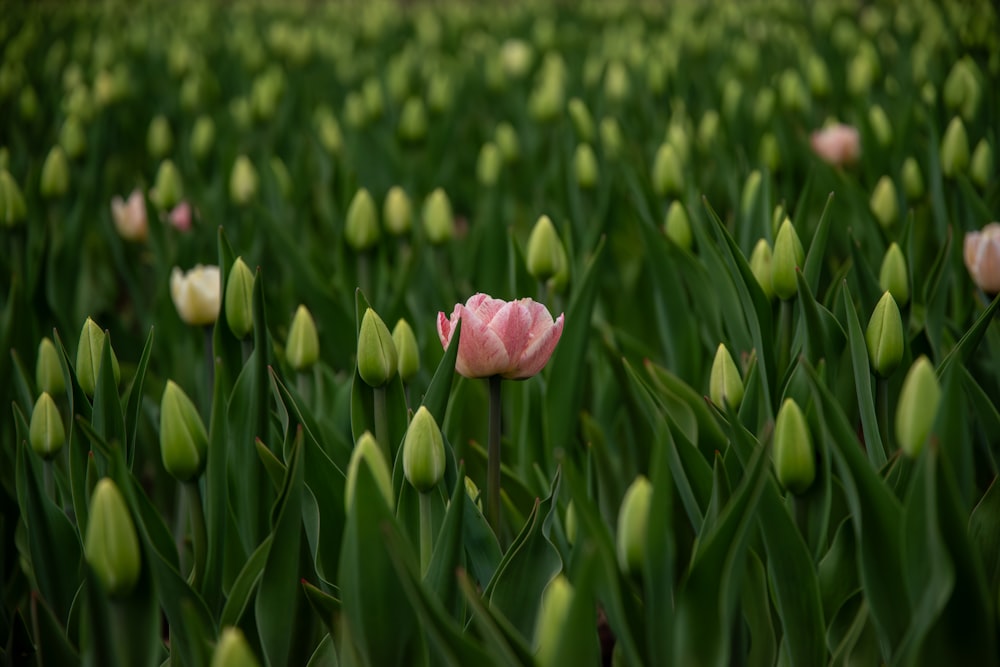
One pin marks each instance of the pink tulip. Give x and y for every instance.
(982, 257)
(180, 217)
(838, 144)
(511, 339)
(129, 216)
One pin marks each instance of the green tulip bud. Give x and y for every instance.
(202, 137)
(732, 95)
(438, 219)
(633, 525)
(917, 408)
(440, 93)
(725, 383)
(760, 266)
(159, 137)
(233, 650)
(583, 123)
(612, 140)
(788, 256)
(885, 203)
(12, 207)
(550, 627)
(361, 227)
(239, 299)
(913, 180)
(367, 450)
(570, 523)
(708, 129)
(763, 106)
(281, 176)
(371, 94)
(331, 138)
(488, 165)
(954, 149)
(377, 357)
(667, 174)
(55, 173)
(423, 452)
(981, 167)
(769, 152)
(302, 348)
(506, 139)
(72, 137)
(818, 76)
(397, 212)
(893, 276)
(46, 432)
(677, 226)
(794, 464)
(616, 82)
(243, 181)
(545, 252)
(48, 371)
(751, 191)
(406, 349)
(884, 336)
(792, 91)
(861, 72)
(27, 103)
(355, 111)
(413, 121)
(546, 100)
(111, 544)
(881, 127)
(472, 491)
(962, 90)
(585, 167)
(183, 438)
(169, 189)
(656, 77)
(516, 57)
(88, 357)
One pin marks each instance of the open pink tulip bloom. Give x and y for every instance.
(838, 144)
(982, 258)
(511, 339)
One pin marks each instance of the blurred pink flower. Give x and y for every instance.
(838, 144)
(511, 339)
(982, 257)
(129, 216)
(180, 217)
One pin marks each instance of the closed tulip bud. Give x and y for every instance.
(583, 123)
(88, 357)
(407, 351)
(818, 76)
(438, 219)
(612, 140)
(763, 107)
(545, 253)
(239, 299)
(440, 93)
(788, 256)
(917, 408)
(954, 149)
(616, 83)
(355, 111)
(962, 90)
(361, 227)
(792, 91)
(885, 203)
(516, 57)
(861, 72)
(397, 212)
(48, 371)
(884, 336)
(708, 129)
(46, 432)
(751, 191)
(243, 181)
(488, 165)
(981, 167)
(667, 174)
(570, 523)
(725, 383)
(893, 276)
(913, 179)
(12, 208)
(472, 491)
(633, 525)
(413, 121)
(111, 545)
(794, 464)
(281, 176)
(331, 138)
(197, 294)
(760, 266)
(302, 348)
(423, 452)
(159, 137)
(550, 627)
(677, 226)
(202, 137)
(168, 189)
(54, 181)
(981, 252)
(73, 137)
(881, 127)
(732, 96)
(507, 141)
(367, 451)
(183, 438)
(378, 361)
(585, 167)
(233, 650)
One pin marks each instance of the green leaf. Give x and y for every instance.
(967, 345)
(323, 604)
(133, 402)
(274, 467)
(707, 433)
(108, 420)
(325, 654)
(817, 248)
(984, 532)
(439, 390)
(498, 635)
(245, 584)
(757, 612)
(446, 557)
(863, 382)
(54, 645)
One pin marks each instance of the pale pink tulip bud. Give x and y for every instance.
(180, 217)
(982, 257)
(130, 216)
(838, 145)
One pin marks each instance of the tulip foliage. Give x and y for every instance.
(694, 355)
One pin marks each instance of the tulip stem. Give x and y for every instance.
(784, 336)
(382, 424)
(493, 458)
(209, 358)
(426, 537)
(199, 536)
(882, 405)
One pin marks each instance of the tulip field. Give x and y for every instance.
(501, 333)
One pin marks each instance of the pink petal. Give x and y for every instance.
(444, 330)
(481, 353)
(485, 306)
(512, 325)
(540, 348)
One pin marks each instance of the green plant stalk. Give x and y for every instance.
(784, 336)
(382, 424)
(882, 410)
(199, 534)
(426, 533)
(493, 458)
(209, 357)
(365, 272)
